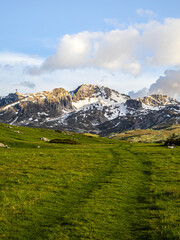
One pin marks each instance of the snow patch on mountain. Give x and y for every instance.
(116, 111)
(149, 107)
(101, 99)
(83, 103)
(11, 105)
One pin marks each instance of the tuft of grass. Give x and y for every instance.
(90, 135)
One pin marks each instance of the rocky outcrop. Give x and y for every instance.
(82, 92)
(133, 103)
(89, 91)
(157, 100)
(45, 139)
(31, 109)
(12, 97)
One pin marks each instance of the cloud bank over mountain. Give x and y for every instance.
(114, 50)
(129, 50)
(127, 56)
(15, 59)
(28, 84)
(168, 84)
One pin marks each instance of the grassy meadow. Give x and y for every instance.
(97, 188)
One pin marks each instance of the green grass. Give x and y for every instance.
(97, 189)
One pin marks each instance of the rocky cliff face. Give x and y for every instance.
(35, 108)
(157, 100)
(12, 97)
(89, 108)
(94, 91)
(134, 104)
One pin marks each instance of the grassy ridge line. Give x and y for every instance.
(148, 135)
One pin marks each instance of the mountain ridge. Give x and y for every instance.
(89, 108)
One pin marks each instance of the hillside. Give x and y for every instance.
(86, 187)
(148, 135)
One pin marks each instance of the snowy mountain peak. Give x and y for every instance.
(88, 94)
(91, 108)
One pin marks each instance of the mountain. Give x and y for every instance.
(89, 108)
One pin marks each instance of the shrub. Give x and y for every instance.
(172, 140)
(64, 141)
(58, 131)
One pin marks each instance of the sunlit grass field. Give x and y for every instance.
(148, 135)
(96, 189)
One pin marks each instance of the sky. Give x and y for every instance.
(132, 46)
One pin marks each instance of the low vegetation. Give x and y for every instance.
(172, 140)
(64, 141)
(97, 189)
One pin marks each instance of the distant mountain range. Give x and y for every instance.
(89, 108)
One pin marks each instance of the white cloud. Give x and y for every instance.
(140, 93)
(113, 22)
(145, 13)
(128, 50)
(168, 84)
(130, 54)
(13, 72)
(7, 58)
(113, 50)
(163, 42)
(27, 84)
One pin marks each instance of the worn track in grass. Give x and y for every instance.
(100, 189)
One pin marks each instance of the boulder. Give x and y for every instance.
(17, 132)
(45, 139)
(171, 147)
(3, 145)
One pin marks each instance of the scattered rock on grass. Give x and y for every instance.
(17, 132)
(170, 146)
(45, 139)
(3, 145)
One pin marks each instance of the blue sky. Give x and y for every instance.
(34, 27)
(49, 43)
